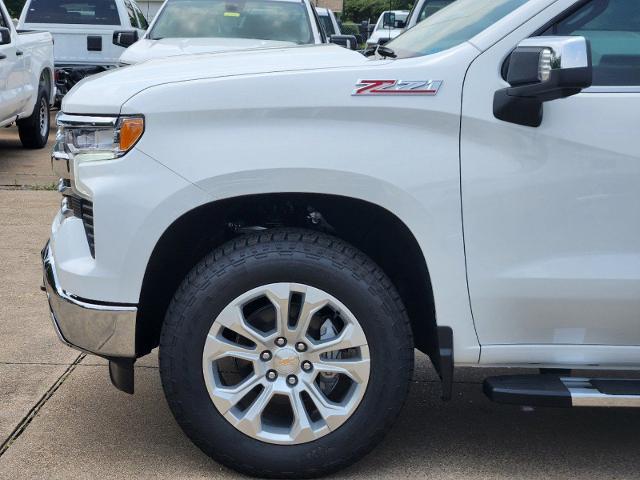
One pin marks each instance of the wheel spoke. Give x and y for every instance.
(332, 414)
(279, 294)
(216, 348)
(356, 369)
(349, 337)
(314, 300)
(251, 422)
(233, 319)
(301, 430)
(228, 397)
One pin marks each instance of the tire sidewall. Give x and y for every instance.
(42, 97)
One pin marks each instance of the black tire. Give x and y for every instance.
(32, 134)
(286, 255)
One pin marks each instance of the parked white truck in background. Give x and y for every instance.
(287, 288)
(26, 81)
(390, 24)
(90, 35)
(208, 26)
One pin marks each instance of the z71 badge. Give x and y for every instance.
(397, 87)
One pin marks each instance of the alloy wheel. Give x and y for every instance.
(286, 363)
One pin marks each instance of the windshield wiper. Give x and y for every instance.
(370, 50)
(385, 52)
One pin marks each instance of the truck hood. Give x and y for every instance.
(147, 49)
(106, 92)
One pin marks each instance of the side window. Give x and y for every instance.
(131, 13)
(613, 29)
(141, 18)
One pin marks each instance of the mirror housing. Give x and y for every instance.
(5, 36)
(346, 41)
(125, 38)
(542, 69)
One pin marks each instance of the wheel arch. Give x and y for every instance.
(373, 229)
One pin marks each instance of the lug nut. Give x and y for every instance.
(292, 380)
(301, 347)
(272, 375)
(281, 341)
(307, 366)
(265, 356)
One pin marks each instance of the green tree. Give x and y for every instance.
(14, 7)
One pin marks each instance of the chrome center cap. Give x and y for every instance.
(286, 361)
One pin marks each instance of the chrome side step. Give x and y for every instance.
(602, 392)
(548, 390)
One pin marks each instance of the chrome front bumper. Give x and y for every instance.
(93, 327)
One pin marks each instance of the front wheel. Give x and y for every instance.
(34, 130)
(286, 354)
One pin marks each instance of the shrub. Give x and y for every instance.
(14, 7)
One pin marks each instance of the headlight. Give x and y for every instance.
(84, 139)
(98, 138)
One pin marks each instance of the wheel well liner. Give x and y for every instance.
(371, 228)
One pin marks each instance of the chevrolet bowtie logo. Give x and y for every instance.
(286, 362)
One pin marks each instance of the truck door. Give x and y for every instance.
(552, 214)
(11, 74)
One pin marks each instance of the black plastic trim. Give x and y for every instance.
(121, 373)
(532, 390)
(445, 345)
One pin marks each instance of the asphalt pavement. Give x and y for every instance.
(61, 418)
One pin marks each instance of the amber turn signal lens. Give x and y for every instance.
(131, 130)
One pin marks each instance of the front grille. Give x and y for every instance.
(83, 209)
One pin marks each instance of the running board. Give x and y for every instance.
(548, 390)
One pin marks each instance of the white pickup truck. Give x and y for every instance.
(184, 27)
(90, 35)
(287, 288)
(27, 84)
(390, 24)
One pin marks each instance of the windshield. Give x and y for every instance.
(92, 12)
(286, 21)
(454, 24)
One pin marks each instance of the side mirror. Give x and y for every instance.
(5, 36)
(542, 69)
(125, 38)
(346, 41)
(389, 20)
